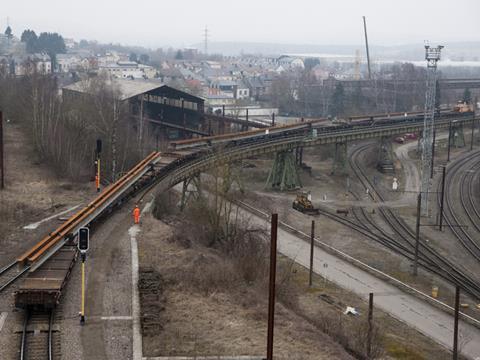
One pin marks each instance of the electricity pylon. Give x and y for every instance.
(432, 55)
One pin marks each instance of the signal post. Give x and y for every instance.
(97, 164)
(83, 244)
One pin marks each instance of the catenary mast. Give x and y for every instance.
(432, 55)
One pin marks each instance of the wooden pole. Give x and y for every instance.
(417, 235)
(2, 162)
(444, 169)
(312, 245)
(271, 293)
(455, 324)
(370, 326)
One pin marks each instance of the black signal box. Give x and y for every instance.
(83, 239)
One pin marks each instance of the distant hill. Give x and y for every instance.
(453, 50)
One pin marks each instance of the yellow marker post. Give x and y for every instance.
(98, 174)
(98, 151)
(82, 312)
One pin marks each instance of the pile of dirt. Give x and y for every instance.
(152, 301)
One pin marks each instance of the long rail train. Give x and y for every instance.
(318, 125)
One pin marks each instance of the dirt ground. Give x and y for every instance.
(233, 322)
(32, 193)
(220, 323)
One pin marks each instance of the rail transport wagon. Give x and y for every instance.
(43, 288)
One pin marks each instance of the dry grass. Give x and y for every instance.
(236, 262)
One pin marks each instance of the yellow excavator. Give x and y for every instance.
(303, 203)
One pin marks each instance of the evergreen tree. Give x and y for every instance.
(51, 43)
(30, 39)
(179, 55)
(8, 32)
(133, 57)
(144, 58)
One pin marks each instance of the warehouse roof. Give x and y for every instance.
(127, 88)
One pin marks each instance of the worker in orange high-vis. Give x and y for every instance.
(136, 215)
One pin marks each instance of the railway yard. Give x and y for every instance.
(157, 289)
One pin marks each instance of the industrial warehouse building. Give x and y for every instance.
(175, 114)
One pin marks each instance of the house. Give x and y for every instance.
(68, 62)
(27, 64)
(256, 86)
(241, 91)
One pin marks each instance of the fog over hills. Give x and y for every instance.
(453, 50)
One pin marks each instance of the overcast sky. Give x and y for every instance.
(156, 23)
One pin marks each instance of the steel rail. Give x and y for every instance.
(67, 228)
(23, 342)
(14, 278)
(330, 133)
(471, 196)
(50, 335)
(402, 230)
(8, 267)
(466, 197)
(451, 219)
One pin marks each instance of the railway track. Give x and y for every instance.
(38, 340)
(168, 169)
(403, 240)
(457, 174)
(10, 274)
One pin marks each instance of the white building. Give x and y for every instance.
(68, 62)
(241, 91)
(128, 69)
(290, 62)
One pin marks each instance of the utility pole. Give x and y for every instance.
(473, 129)
(455, 324)
(432, 55)
(366, 46)
(2, 163)
(271, 292)
(444, 170)
(370, 326)
(417, 234)
(449, 140)
(206, 40)
(273, 119)
(312, 245)
(433, 153)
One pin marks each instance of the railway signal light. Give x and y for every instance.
(99, 146)
(83, 239)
